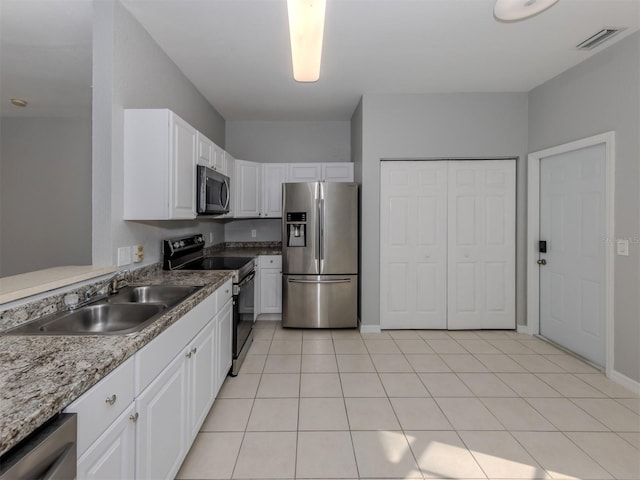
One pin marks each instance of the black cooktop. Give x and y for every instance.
(218, 263)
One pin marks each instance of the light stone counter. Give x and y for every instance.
(41, 375)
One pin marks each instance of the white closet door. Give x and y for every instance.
(481, 244)
(413, 237)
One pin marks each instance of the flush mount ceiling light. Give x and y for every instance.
(18, 102)
(510, 10)
(306, 27)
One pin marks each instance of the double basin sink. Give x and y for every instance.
(130, 310)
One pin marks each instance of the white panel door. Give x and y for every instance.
(481, 244)
(572, 290)
(413, 238)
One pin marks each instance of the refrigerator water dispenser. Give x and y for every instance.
(296, 229)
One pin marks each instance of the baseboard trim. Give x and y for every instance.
(525, 329)
(369, 328)
(626, 382)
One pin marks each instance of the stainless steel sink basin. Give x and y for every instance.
(128, 311)
(168, 295)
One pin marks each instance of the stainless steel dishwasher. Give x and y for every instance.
(49, 453)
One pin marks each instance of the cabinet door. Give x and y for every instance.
(224, 337)
(161, 442)
(201, 367)
(182, 176)
(219, 161)
(337, 172)
(304, 172)
(205, 151)
(247, 188)
(271, 290)
(112, 455)
(273, 176)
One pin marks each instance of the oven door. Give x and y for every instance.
(243, 319)
(213, 192)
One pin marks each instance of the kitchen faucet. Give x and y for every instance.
(112, 283)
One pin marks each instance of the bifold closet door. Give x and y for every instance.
(481, 244)
(413, 245)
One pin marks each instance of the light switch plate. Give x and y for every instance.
(622, 247)
(124, 256)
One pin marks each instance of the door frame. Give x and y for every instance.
(533, 233)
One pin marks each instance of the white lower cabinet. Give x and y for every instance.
(140, 421)
(113, 454)
(201, 360)
(161, 442)
(224, 346)
(270, 272)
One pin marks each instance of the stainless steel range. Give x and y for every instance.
(186, 253)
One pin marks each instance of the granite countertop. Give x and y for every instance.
(41, 375)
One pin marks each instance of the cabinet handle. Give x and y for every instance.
(188, 354)
(134, 417)
(194, 350)
(226, 291)
(270, 261)
(111, 400)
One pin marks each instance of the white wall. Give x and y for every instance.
(435, 126)
(596, 96)
(131, 71)
(273, 142)
(45, 193)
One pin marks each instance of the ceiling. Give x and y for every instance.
(236, 52)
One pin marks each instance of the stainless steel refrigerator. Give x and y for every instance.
(319, 255)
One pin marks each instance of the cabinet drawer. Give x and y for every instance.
(271, 261)
(224, 293)
(99, 406)
(155, 356)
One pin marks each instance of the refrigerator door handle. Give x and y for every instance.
(340, 280)
(321, 222)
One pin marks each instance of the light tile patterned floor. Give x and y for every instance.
(319, 404)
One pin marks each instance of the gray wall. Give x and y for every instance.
(267, 230)
(132, 71)
(435, 126)
(596, 96)
(45, 193)
(273, 142)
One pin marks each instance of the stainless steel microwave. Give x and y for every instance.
(213, 192)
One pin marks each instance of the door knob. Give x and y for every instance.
(542, 261)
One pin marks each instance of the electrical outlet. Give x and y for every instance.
(138, 253)
(622, 247)
(124, 256)
(210, 237)
(253, 233)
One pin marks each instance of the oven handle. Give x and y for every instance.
(341, 280)
(247, 279)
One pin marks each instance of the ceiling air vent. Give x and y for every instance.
(597, 38)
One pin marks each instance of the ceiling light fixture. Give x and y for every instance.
(511, 10)
(18, 102)
(306, 28)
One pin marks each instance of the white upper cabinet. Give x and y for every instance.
(337, 172)
(273, 176)
(320, 172)
(205, 151)
(160, 151)
(219, 162)
(304, 172)
(247, 189)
